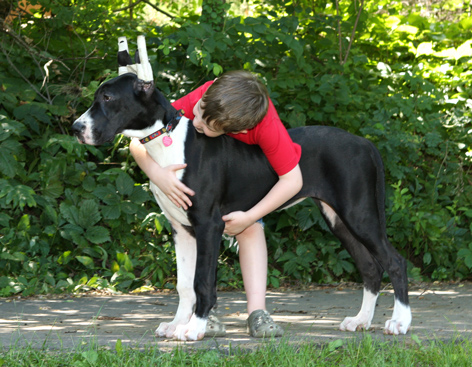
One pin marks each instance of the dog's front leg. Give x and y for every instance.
(186, 253)
(208, 244)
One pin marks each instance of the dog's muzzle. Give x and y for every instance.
(78, 129)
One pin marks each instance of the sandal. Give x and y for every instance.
(214, 327)
(260, 325)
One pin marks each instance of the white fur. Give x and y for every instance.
(401, 319)
(186, 254)
(329, 213)
(165, 156)
(194, 330)
(292, 204)
(185, 326)
(364, 318)
(87, 120)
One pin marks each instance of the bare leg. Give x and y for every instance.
(253, 260)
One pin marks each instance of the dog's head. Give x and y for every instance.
(124, 104)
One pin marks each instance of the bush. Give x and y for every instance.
(77, 217)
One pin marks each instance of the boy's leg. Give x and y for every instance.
(253, 260)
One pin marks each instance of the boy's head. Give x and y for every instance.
(235, 102)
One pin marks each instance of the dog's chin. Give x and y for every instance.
(80, 139)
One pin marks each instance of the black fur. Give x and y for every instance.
(340, 169)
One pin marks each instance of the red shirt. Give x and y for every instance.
(270, 134)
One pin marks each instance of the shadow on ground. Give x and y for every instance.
(440, 311)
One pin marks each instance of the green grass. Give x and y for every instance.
(366, 352)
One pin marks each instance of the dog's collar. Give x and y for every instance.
(166, 129)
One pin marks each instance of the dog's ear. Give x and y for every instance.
(142, 88)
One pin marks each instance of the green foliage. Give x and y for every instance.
(77, 217)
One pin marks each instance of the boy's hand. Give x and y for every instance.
(236, 222)
(175, 190)
(163, 177)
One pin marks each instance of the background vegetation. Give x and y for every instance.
(76, 217)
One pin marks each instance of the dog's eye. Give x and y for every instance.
(107, 98)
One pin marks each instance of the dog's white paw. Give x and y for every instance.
(396, 327)
(166, 330)
(194, 330)
(364, 318)
(401, 320)
(355, 324)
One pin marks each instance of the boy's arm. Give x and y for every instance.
(163, 177)
(286, 188)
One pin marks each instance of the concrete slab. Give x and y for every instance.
(440, 311)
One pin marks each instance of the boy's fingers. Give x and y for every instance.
(185, 189)
(177, 167)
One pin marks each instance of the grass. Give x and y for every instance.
(365, 352)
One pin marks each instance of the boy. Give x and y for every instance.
(238, 104)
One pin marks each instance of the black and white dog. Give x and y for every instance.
(342, 173)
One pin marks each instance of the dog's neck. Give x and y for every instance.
(167, 129)
(173, 153)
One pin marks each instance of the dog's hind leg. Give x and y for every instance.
(368, 232)
(370, 269)
(186, 254)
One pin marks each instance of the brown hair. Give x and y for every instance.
(236, 101)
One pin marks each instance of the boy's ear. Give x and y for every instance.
(140, 87)
(240, 132)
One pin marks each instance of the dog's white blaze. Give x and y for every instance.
(87, 120)
(329, 213)
(364, 318)
(401, 319)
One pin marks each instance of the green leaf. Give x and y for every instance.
(139, 195)
(124, 184)
(86, 261)
(4, 220)
(124, 260)
(119, 347)
(88, 214)
(89, 184)
(107, 194)
(111, 211)
(8, 164)
(19, 195)
(129, 207)
(53, 189)
(338, 343)
(97, 235)
(305, 218)
(64, 258)
(70, 213)
(9, 128)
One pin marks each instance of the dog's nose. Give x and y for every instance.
(78, 127)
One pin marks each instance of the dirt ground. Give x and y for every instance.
(440, 312)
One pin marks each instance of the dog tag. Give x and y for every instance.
(167, 140)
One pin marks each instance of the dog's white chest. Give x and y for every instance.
(168, 207)
(165, 156)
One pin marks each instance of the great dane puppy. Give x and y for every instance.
(342, 173)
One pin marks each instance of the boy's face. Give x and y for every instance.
(201, 125)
